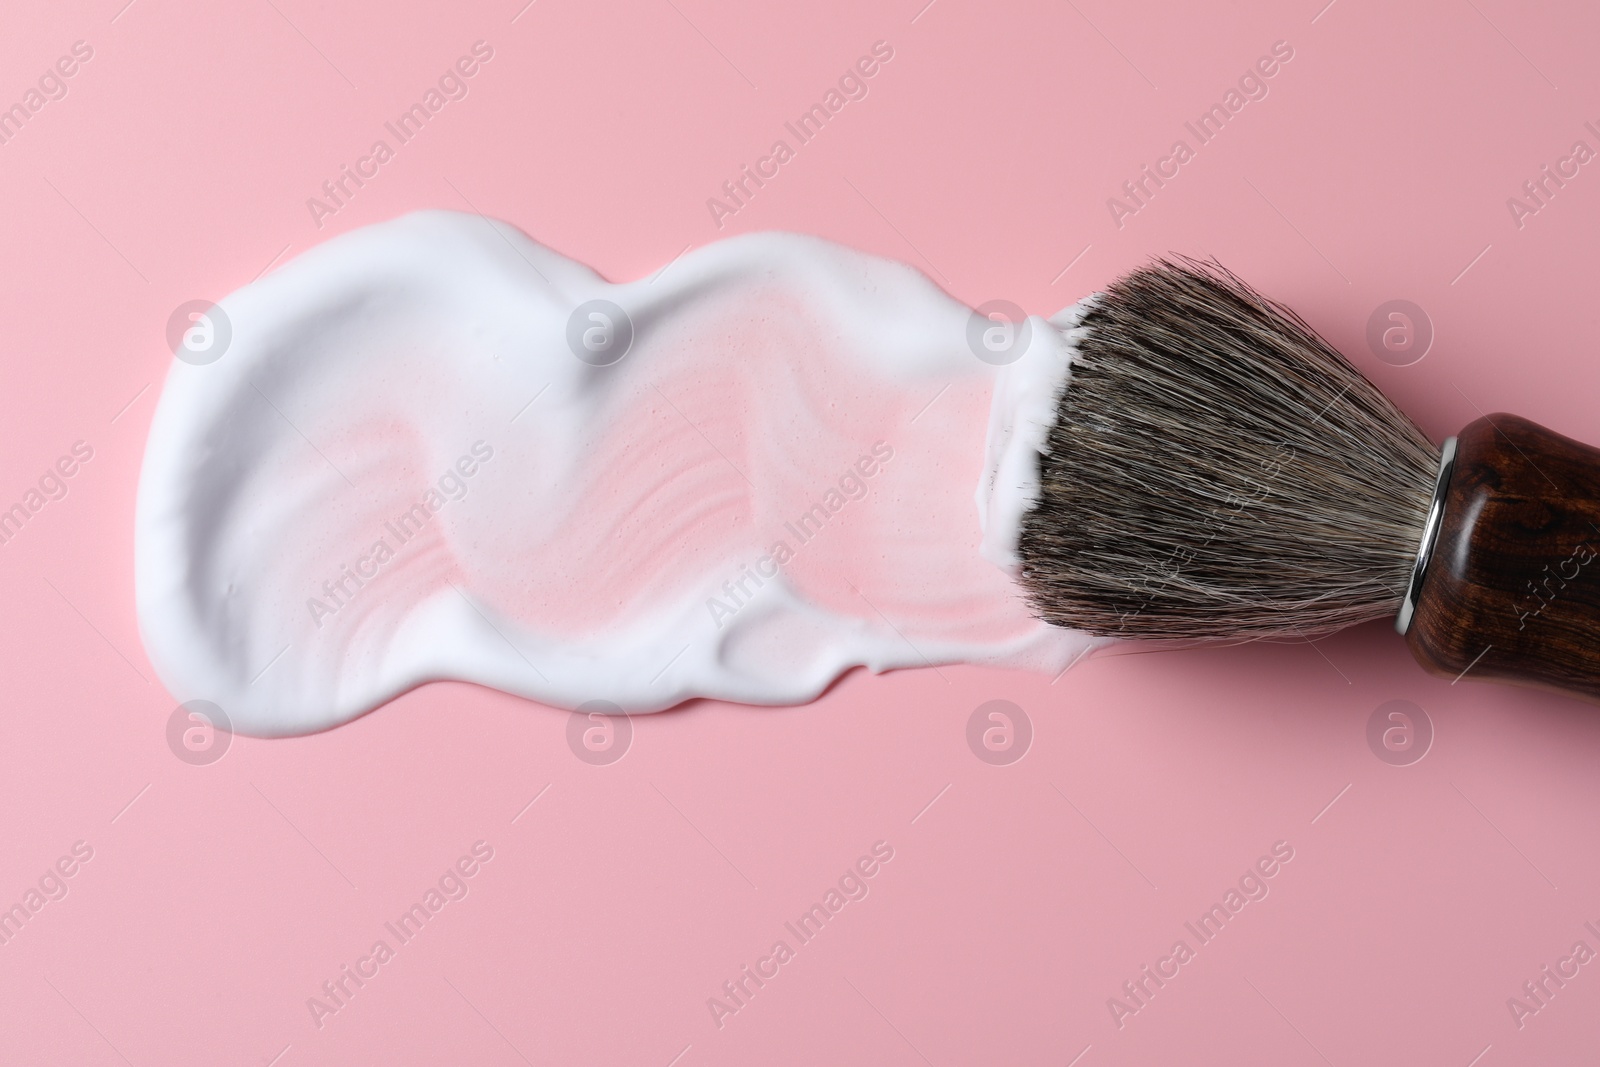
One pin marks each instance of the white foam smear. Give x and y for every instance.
(398, 471)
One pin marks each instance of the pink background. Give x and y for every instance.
(1020, 897)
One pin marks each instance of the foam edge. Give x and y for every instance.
(1027, 397)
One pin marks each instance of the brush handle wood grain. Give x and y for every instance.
(1512, 590)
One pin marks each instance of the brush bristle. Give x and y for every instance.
(1217, 471)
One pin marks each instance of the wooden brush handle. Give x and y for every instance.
(1512, 590)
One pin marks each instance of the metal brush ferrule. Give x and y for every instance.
(1430, 535)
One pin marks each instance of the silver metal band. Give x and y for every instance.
(1430, 534)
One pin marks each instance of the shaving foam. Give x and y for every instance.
(435, 449)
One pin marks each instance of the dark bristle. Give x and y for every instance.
(1218, 471)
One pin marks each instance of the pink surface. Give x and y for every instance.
(1021, 896)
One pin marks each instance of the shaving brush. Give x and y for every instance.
(1219, 472)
